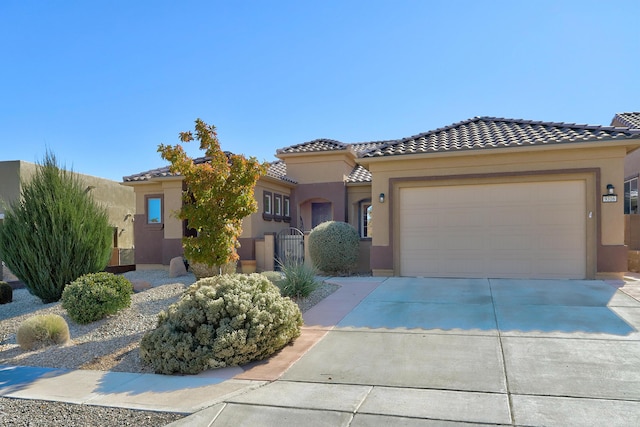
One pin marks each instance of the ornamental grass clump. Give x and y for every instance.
(95, 296)
(334, 247)
(299, 279)
(41, 331)
(220, 321)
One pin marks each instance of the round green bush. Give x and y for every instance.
(220, 321)
(42, 330)
(94, 296)
(334, 247)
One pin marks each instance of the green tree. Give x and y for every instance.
(55, 232)
(218, 194)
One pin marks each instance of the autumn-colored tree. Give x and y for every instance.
(218, 194)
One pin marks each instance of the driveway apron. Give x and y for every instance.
(543, 352)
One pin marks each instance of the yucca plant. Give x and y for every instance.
(55, 232)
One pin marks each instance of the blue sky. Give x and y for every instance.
(102, 83)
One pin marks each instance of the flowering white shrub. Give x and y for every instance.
(221, 321)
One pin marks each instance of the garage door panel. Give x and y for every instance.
(532, 229)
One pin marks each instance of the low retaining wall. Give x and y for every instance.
(634, 261)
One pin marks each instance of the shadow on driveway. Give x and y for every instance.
(487, 306)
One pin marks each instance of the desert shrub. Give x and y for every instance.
(42, 330)
(201, 270)
(334, 247)
(95, 296)
(6, 293)
(55, 232)
(221, 321)
(299, 279)
(274, 277)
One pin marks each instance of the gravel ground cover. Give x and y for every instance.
(109, 344)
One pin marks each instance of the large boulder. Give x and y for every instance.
(177, 267)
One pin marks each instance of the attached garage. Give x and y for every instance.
(507, 230)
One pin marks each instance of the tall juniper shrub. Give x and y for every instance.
(55, 232)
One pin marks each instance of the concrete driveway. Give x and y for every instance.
(417, 352)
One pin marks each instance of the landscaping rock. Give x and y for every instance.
(177, 268)
(140, 285)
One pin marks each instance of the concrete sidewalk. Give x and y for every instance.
(411, 351)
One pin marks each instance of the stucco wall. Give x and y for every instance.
(319, 167)
(255, 225)
(390, 173)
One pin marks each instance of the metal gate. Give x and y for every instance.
(289, 246)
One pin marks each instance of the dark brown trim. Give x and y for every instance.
(267, 215)
(152, 225)
(277, 207)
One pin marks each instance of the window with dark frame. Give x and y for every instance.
(631, 196)
(277, 207)
(267, 211)
(154, 210)
(286, 208)
(366, 209)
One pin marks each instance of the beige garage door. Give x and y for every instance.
(515, 230)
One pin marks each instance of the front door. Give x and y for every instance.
(320, 212)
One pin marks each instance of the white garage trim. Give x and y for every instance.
(511, 230)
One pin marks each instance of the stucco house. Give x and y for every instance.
(485, 197)
(118, 200)
(631, 174)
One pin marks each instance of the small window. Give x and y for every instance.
(631, 196)
(154, 210)
(267, 206)
(277, 206)
(365, 219)
(267, 203)
(286, 208)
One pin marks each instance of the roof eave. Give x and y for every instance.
(631, 144)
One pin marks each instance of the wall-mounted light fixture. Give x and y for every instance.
(381, 198)
(611, 196)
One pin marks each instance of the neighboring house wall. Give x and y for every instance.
(598, 165)
(119, 202)
(158, 240)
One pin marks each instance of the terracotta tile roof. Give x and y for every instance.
(276, 170)
(316, 145)
(631, 120)
(324, 144)
(359, 174)
(491, 132)
(363, 147)
(162, 172)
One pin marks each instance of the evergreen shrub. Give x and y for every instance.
(55, 232)
(41, 331)
(220, 321)
(334, 247)
(94, 296)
